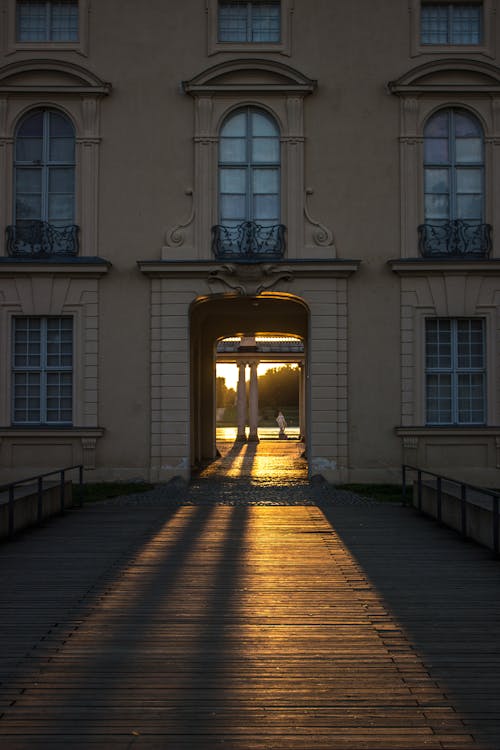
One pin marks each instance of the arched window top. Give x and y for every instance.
(45, 127)
(455, 122)
(249, 135)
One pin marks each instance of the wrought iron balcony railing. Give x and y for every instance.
(39, 239)
(456, 238)
(248, 241)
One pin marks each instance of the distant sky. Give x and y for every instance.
(230, 372)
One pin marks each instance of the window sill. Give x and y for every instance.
(448, 431)
(44, 430)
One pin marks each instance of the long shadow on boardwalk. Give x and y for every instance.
(445, 594)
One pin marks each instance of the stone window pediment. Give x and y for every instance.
(273, 88)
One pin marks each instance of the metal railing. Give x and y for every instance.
(465, 488)
(39, 239)
(248, 241)
(38, 479)
(451, 239)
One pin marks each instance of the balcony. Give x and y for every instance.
(249, 242)
(38, 239)
(454, 239)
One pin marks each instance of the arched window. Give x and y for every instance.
(249, 169)
(454, 185)
(44, 185)
(249, 184)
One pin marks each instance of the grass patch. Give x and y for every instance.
(95, 491)
(386, 493)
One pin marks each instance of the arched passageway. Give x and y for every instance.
(213, 318)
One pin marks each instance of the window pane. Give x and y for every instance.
(437, 207)
(437, 181)
(434, 24)
(31, 21)
(466, 126)
(29, 181)
(469, 180)
(62, 150)
(265, 180)
(233, 150)
(439, 399)
(470, 207)
(233, 207)
(29, 149)
(27, 342)
(232, 22)
(437, 126)
(235, 126)
(28, 206)
(61, 126)
(438, 344)
(61, 180)
(31, 126)
(59, 397)
(263, 126)
(469, 150)
(436, 150)
(266, 207)
(26, 386)
(471, 398)
(265, 150)
(60, 210)
(233, 180)
(265, 21)
(465, 24)
(64, 21)
(470, 344)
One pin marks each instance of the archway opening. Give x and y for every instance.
(267, 331)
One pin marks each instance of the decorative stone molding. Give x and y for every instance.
(321, 236)
(181, 235)
(410, 443)
(249, 279)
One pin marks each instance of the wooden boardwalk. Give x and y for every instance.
(248, 627)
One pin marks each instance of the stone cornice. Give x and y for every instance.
(332, 268)
(448, 431)
(81, 266)
(418, 266)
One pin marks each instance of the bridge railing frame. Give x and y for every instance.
(465, 487)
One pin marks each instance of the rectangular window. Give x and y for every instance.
(242, 21)
(455, 363)
(451, 23)
(47, 20)
(42, 371)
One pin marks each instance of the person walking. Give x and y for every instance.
(281, 421)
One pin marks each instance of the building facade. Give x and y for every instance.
(176, 173)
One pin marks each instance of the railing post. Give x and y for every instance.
(11, 511)
(463, 498)
(40, 501)
(61, 491)
(495, 524)
(439, 500)
(419, 486)
(80, 485)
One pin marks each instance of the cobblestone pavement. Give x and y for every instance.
(273, 472)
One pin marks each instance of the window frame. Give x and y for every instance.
(80, 46)
(450, 8)
(214, 46)
(250, 166)
(43, 370)
(453, 165)
(45, 165)
(454, 371)
(488, 44)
